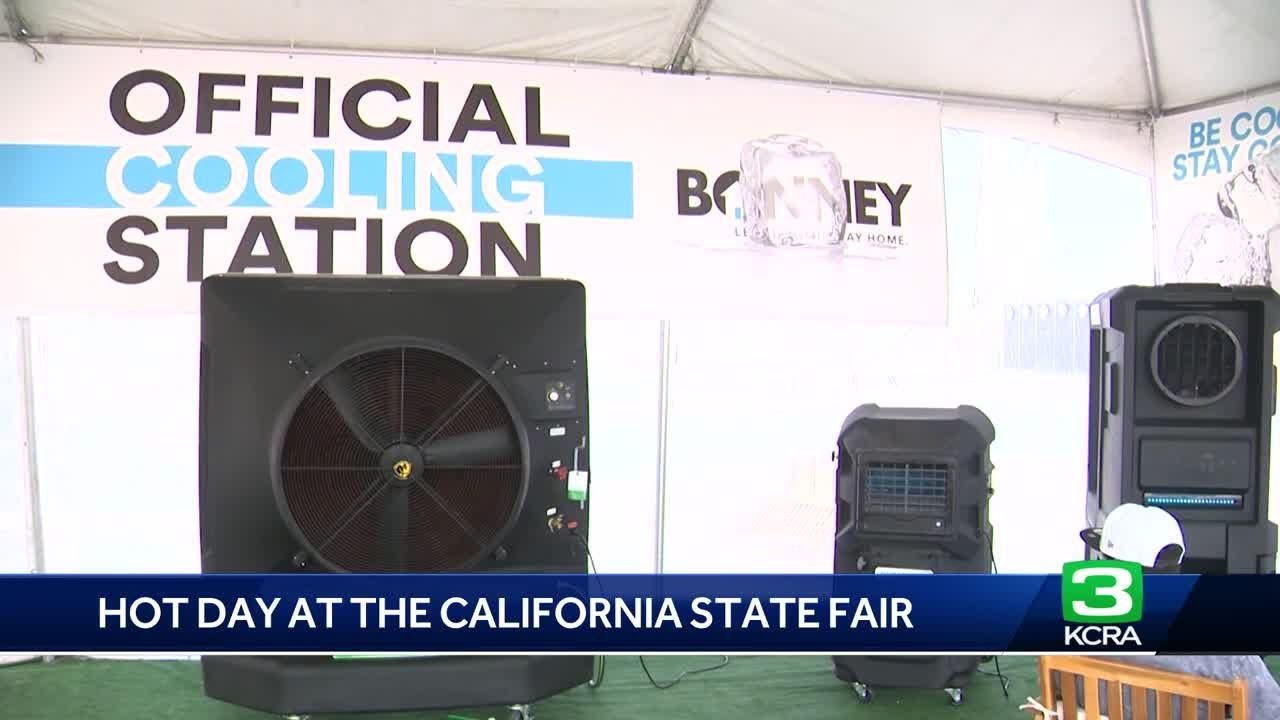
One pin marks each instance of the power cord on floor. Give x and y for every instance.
(598, 676)
(1004, 681)
(724, 660)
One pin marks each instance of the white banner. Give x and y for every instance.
(127, 175)
(1218, 193)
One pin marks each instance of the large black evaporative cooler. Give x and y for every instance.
(1182, 390)
(391, 424)
(913, 486)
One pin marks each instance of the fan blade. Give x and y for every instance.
(357, 506)
(338, 386)
(393, 528)
(471, 393)
(472, 448)
(448, 509)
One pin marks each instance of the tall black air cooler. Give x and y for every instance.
(1182, 391)
(391, 424)
(913, 486)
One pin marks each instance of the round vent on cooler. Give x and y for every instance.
(401, 460)
(1196, 360)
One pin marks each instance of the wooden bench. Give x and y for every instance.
(1219, 695)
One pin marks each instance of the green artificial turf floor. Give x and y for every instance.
(749, 687)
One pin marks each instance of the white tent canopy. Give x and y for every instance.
(1124, 58)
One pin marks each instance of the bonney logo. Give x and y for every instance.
(793, 178)
(1100, 598)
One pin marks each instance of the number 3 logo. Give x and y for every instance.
(1102, 591)
(1117, 592)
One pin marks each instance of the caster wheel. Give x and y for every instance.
(521, 712)
(956, 695)
(863, 693)
(296, 717)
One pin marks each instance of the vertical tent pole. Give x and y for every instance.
(1142, 14)
(664, 405)
(35, 521)
(35, 518)
(1158, 251)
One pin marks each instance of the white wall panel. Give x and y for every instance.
(756, 409)
(116, 407)
(115, 417)
(756, 415)
(623, 375)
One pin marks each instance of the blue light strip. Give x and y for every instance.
(1193, 500)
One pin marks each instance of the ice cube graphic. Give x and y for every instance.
(1269, 162)
(1253, 196)
(792, 193)
(1216, 249)
(1238, 246)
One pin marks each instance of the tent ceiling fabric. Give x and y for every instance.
(1091, 57)
(1076, 53)
(622, 32)
(1207, 49)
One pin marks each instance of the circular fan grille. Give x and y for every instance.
(401, 460)
(1196, 360)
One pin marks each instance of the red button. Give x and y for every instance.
(573, 524)
(562, 473)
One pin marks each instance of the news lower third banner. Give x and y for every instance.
(1093, 607)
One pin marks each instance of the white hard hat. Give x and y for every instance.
(1139, 534)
